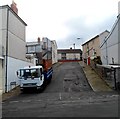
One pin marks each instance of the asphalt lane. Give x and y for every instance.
(68, 77)
(68, 95)
(74, 105)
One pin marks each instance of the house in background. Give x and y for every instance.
(69, 54)
(33, 50)
(110, 46)
(91, 48)
(44, 48)
(54, 52)
(12, 28)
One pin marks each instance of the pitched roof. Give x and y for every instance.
(32, 43)
(95, 37)
(9, 8)
(112, 30)
(69, 51)
(90, 40)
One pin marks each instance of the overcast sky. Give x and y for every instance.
(66, 20)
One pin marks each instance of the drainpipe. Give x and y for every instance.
(106, 53)
(6, 49)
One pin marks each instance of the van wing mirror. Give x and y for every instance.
(18, 74)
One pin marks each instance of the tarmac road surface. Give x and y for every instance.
(68, 77)
(68, 95)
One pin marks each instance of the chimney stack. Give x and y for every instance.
(38, 39)
(14, 7)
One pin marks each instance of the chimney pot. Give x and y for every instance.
(14, 7)
(38, 39)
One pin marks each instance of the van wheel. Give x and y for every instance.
(49, 80)
(41, 89)
(23, 91)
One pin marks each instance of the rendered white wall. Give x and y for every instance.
(71, 56)
(3, 23)
(110, 48)
(16, 44)
(113, 53)
(3, 18)
(1, 76)
(13, 66)
(59, 56)
(16, 47)
(16, 26)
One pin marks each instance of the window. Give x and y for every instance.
(31, 49)
(30, 73)
(44, 45)
(38, 48)
(63, 56)
(88, 50)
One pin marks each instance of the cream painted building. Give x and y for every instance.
(69, 54)
(12, 28)
(91, 48)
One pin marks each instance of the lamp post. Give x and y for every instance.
(74, 50)
(78, 38)
(82, 54)
(74, 45)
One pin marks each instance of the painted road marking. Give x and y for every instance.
(26, 100)
(60, 96)
(14, 101)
